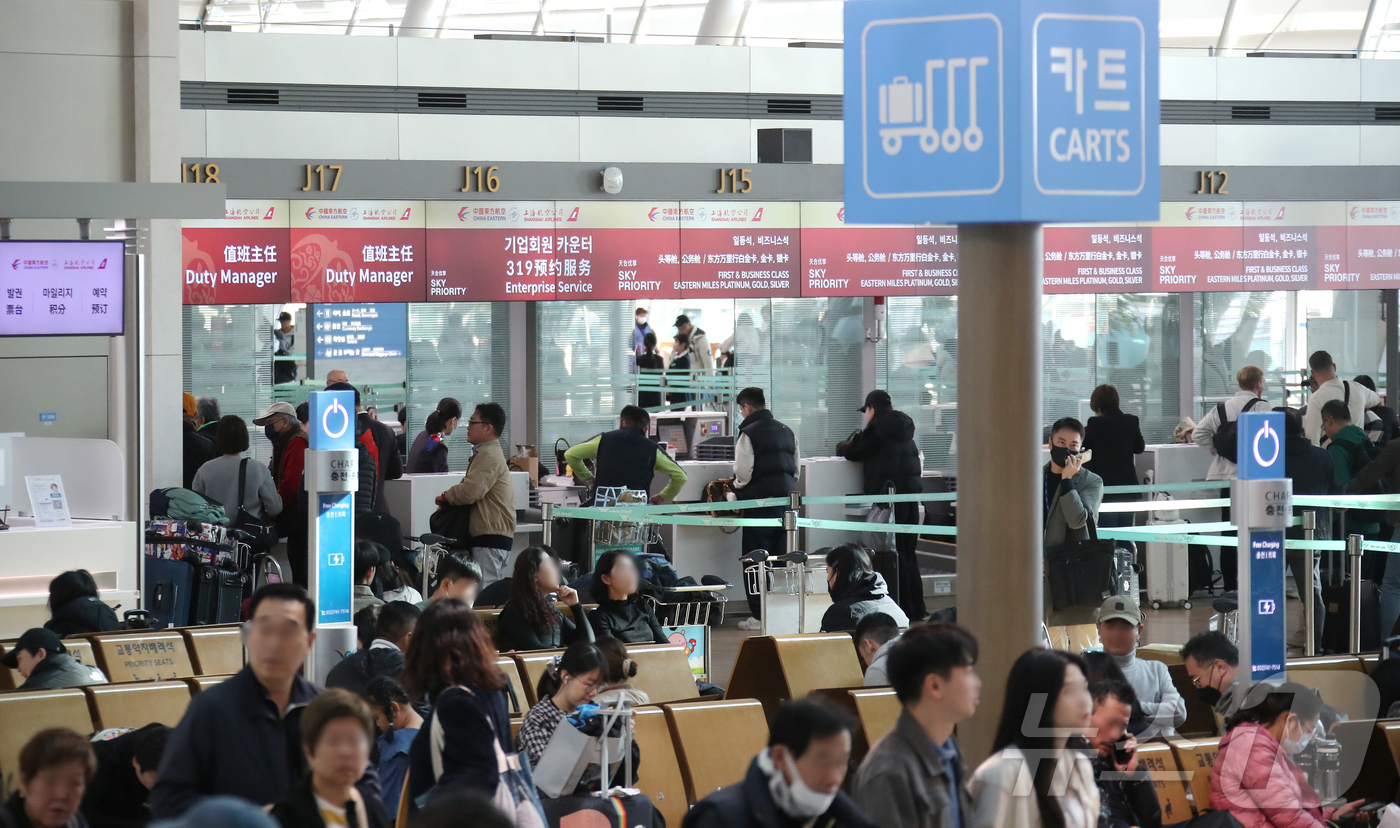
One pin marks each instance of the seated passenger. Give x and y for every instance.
(397, 584)
(795, 781)
(367, 560)
(569, 681)
(455, 577)
(385, 654)
(618, 675)
(1254, 778)
(1127, 797)
(622, 613)
(914, 776)
(876, 633)
(1063, 791)
(1213, 663)
(856, 590)
(218, 479)
(1100, 666)
(44, 662)
(1120, 625)
(126, 772)
(452, 665)
(55, 768)
(398, 725)
(529, 620)
(337, 730)
(75, 606)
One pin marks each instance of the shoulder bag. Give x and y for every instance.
(515, 794)
(263, 532)
(1081, 572)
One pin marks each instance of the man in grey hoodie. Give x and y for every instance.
(1120, 624)
(876, 635)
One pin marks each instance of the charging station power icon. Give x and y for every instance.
(1266, 430)
(334, 407)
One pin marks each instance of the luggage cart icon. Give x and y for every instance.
(911, 105)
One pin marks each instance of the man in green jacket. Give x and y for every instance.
(1348, 445)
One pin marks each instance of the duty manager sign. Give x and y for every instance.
(1001, 111)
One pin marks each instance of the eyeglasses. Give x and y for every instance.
(476, 422)
(595, 688)
(1196, 680)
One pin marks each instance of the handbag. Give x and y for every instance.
(515, 794)
(877, 540)
(264, 534)
(452, 522)
(1081, 572)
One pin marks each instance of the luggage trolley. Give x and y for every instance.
(785, 596)
(632, 536)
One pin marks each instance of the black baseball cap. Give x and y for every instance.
(284, 317)
(33, 641)
(874, 398)
(681, 320)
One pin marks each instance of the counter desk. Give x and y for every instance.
(30, 557)
(411, 499)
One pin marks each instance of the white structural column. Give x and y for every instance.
(420, 18)
(720, 21)
(156, 110)
(1000, 537)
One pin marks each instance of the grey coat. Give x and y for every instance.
(903, 782)
(1070, 510)
(62, 670)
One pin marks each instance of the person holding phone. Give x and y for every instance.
(1126, 793)
(530, 620)
(1072, 495)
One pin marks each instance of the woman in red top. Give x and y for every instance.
(1254, 778)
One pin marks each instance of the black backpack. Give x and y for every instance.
(1225, 441)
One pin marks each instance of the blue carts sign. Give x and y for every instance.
(1001, 111)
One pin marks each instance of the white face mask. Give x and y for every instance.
(1293, 748)
(794, 799)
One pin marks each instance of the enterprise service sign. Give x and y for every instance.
(1013, 113)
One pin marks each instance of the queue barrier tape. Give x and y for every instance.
(1349, 501)
(1163, 505)
(859, 500)
(1197, 485)
(612, 513)
(860, 526)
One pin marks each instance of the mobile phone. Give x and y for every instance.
(1121, 755)
(1086, 455)
(1372, 808)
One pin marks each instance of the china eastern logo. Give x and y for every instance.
(841, 215)
(1372, 212)
(1210, 214)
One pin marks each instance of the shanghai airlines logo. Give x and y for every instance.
(573, 216)
(270, 211)
(758, 216)
(102, 266)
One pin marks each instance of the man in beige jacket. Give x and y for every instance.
(486, 487)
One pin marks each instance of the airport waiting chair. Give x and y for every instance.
(137, 705)
(774, 669)
(715, 742)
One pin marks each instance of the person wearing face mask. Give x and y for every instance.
(398, 725)
(428, 454)
(1120, 626)
(796, 781)
(639, 333)
(1213, 663)
(1062, 793)
(337, 730)
(914, 777)
(1072, 495)
(765, 465)
(1254, 777)
(856, 590)
(55, 768)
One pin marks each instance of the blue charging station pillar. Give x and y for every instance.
(1261, 503)
(332, 477)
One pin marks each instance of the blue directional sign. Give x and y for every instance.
(335, 545)
(332, 423)
(1005, 112)
(1266, 601)
(1260, 445)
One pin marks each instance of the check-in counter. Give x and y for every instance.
(30, 557)
(1182, 463)
(411, 499)
(703, 550)
(829, 477)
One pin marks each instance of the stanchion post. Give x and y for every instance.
(790, 527)
(1309, 608)
(1354, 552)
(547, 517)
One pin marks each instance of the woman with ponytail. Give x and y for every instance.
(569, 681)
(428, 455)
(1041, 736)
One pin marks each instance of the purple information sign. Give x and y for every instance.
(61, 288)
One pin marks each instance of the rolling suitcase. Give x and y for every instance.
(1336, 627)
(219, 595)
(1168, 570)
(169, 587)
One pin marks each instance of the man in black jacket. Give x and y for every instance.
(765, 465)
(809, 742)
(886, 447)
(242, 737)
(1126, 794)
(385, 654)
(626, 457)
(1313, 473)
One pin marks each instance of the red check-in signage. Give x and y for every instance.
(874, 260)
(740, 249)
(1369, 254)
(493, 251)
(243, 258)
(623, 249)
(358, 251)
(1096, 259)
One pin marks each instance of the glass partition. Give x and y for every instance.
(459, 350)
(1348, 325)
(584, 370)
(228, 355)
(1238, 329)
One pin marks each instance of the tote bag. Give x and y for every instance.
(515, 794)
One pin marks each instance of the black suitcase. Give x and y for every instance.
(219, 595)
(886, 562)
(1336, 627)
(169, 587)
